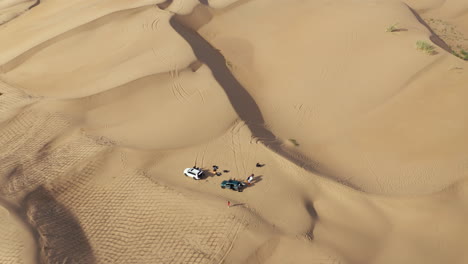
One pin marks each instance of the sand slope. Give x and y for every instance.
(103, 104)
(370, 113)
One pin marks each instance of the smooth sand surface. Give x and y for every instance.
(362, 136)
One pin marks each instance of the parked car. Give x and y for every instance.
(194, 173)
(233, 185)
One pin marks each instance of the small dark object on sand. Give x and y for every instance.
(215, 168)
(259, 165)
(225, 171)
(218, 174)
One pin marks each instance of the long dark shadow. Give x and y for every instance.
(434, 37)
(242, 102)
(62, 240)
(35, 4)
(313, 215)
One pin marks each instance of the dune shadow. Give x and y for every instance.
(313, 215)
(35, 4)
(61, 238)
(165, 4)
(242, 102)
(311, 210)
(434, 37)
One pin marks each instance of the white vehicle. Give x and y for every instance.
(194, 173)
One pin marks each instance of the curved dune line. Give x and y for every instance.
(414, 77)
(182, 7)
(10, 3)
(11, 11)
(86, 75)
(154, 24)
(50, 19)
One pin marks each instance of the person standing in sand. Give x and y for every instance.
(229, 203)
(250, 178)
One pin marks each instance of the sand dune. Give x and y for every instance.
(345, 89)
(103, 104)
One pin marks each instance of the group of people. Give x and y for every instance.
(249, 179)
(215, 170)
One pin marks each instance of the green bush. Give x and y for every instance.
(392, 28)
(462, 55)
(425, 47)
(294, 142)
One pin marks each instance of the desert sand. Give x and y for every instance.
(362, 134)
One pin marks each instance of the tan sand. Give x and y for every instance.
(10, 9)
(103, 104)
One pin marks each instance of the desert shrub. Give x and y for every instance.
(425, 46)
(294, 142)
(462, 55)
(392, 28)
(229, 64)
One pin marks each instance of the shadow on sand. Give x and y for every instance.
(238, 204)
(35, 4)
(434, 37)
(60, 234)
(208, 173)
(242, 102)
